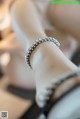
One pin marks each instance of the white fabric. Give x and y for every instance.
(68, 107)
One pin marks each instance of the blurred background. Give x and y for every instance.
(17, 84)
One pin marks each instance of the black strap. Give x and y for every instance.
(28, 94)
(52, 102)
(33, 112)
(76, 57)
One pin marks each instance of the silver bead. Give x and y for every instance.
(36, 43)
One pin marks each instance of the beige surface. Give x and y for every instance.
(14, 105)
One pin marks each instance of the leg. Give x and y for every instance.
(26, 22)
(48, 61)
(66, 18)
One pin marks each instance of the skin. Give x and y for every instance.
(51, 63)
(66, 18)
